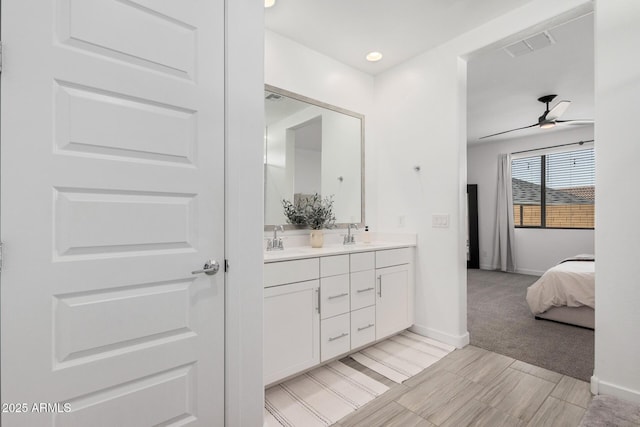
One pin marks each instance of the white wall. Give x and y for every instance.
(296, 68)
(420, 119)
(617, 350)
(341, 158)
(308, 171)
(538, 249)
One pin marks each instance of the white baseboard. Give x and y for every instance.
(604, 387)
(458, 341)
(594, 385)
(530, 272)
(518, 270)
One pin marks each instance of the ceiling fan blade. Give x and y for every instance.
(558, 110)
(575, 122)
(507, 131)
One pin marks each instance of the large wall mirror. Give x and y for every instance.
(312, 147)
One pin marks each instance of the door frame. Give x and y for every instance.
(244, 223)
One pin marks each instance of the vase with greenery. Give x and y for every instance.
(319, 215)
(313, 211)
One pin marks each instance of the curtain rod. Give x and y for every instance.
(554, 146)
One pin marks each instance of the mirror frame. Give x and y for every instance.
(298, 97)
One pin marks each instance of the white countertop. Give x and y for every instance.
(301, 252)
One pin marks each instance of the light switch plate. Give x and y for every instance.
(440, 221)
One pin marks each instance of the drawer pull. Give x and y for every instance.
(380, 286)
(317, 290)
(338, 296)
(344, 334)
(370, 325)
(364, 290)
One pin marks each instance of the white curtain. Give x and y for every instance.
(504, 254)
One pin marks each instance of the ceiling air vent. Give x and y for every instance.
(273, 97)
(530, 44)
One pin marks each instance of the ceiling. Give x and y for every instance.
(348, 30)
(502, 90)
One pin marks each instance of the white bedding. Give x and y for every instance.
(571, 283)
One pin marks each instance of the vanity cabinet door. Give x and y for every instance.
(393, 313)
(291, 329)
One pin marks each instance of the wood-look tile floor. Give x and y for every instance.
(475, 387)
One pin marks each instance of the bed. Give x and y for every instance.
(566, 292)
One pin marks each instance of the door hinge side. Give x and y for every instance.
(1, 254)
(0, 57)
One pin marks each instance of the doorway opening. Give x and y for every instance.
(503, 87)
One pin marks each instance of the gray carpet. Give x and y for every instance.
(499, 320)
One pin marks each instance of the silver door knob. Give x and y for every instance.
(210, 268)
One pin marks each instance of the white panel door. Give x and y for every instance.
(112, 116)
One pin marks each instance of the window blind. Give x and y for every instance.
(570, 189)
(567, 181)
(526, 176)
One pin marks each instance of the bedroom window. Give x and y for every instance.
(567, 181)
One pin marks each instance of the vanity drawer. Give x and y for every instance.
(335, 339)
(334, 265)
(363, 261)
(363, 326)
(334, 295)
(390, 257)
(363, 289)
(283, 272)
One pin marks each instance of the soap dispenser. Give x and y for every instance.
(366, 235)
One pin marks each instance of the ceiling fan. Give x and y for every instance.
(549, 118)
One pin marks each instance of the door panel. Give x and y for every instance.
(161, 42)
(105, 125)
(112, 180)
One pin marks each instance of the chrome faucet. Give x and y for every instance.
(350, 239)
(275, 244)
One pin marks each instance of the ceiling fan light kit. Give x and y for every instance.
(549, 118)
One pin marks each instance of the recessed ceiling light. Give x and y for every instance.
(374, 56)
(269, 3)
